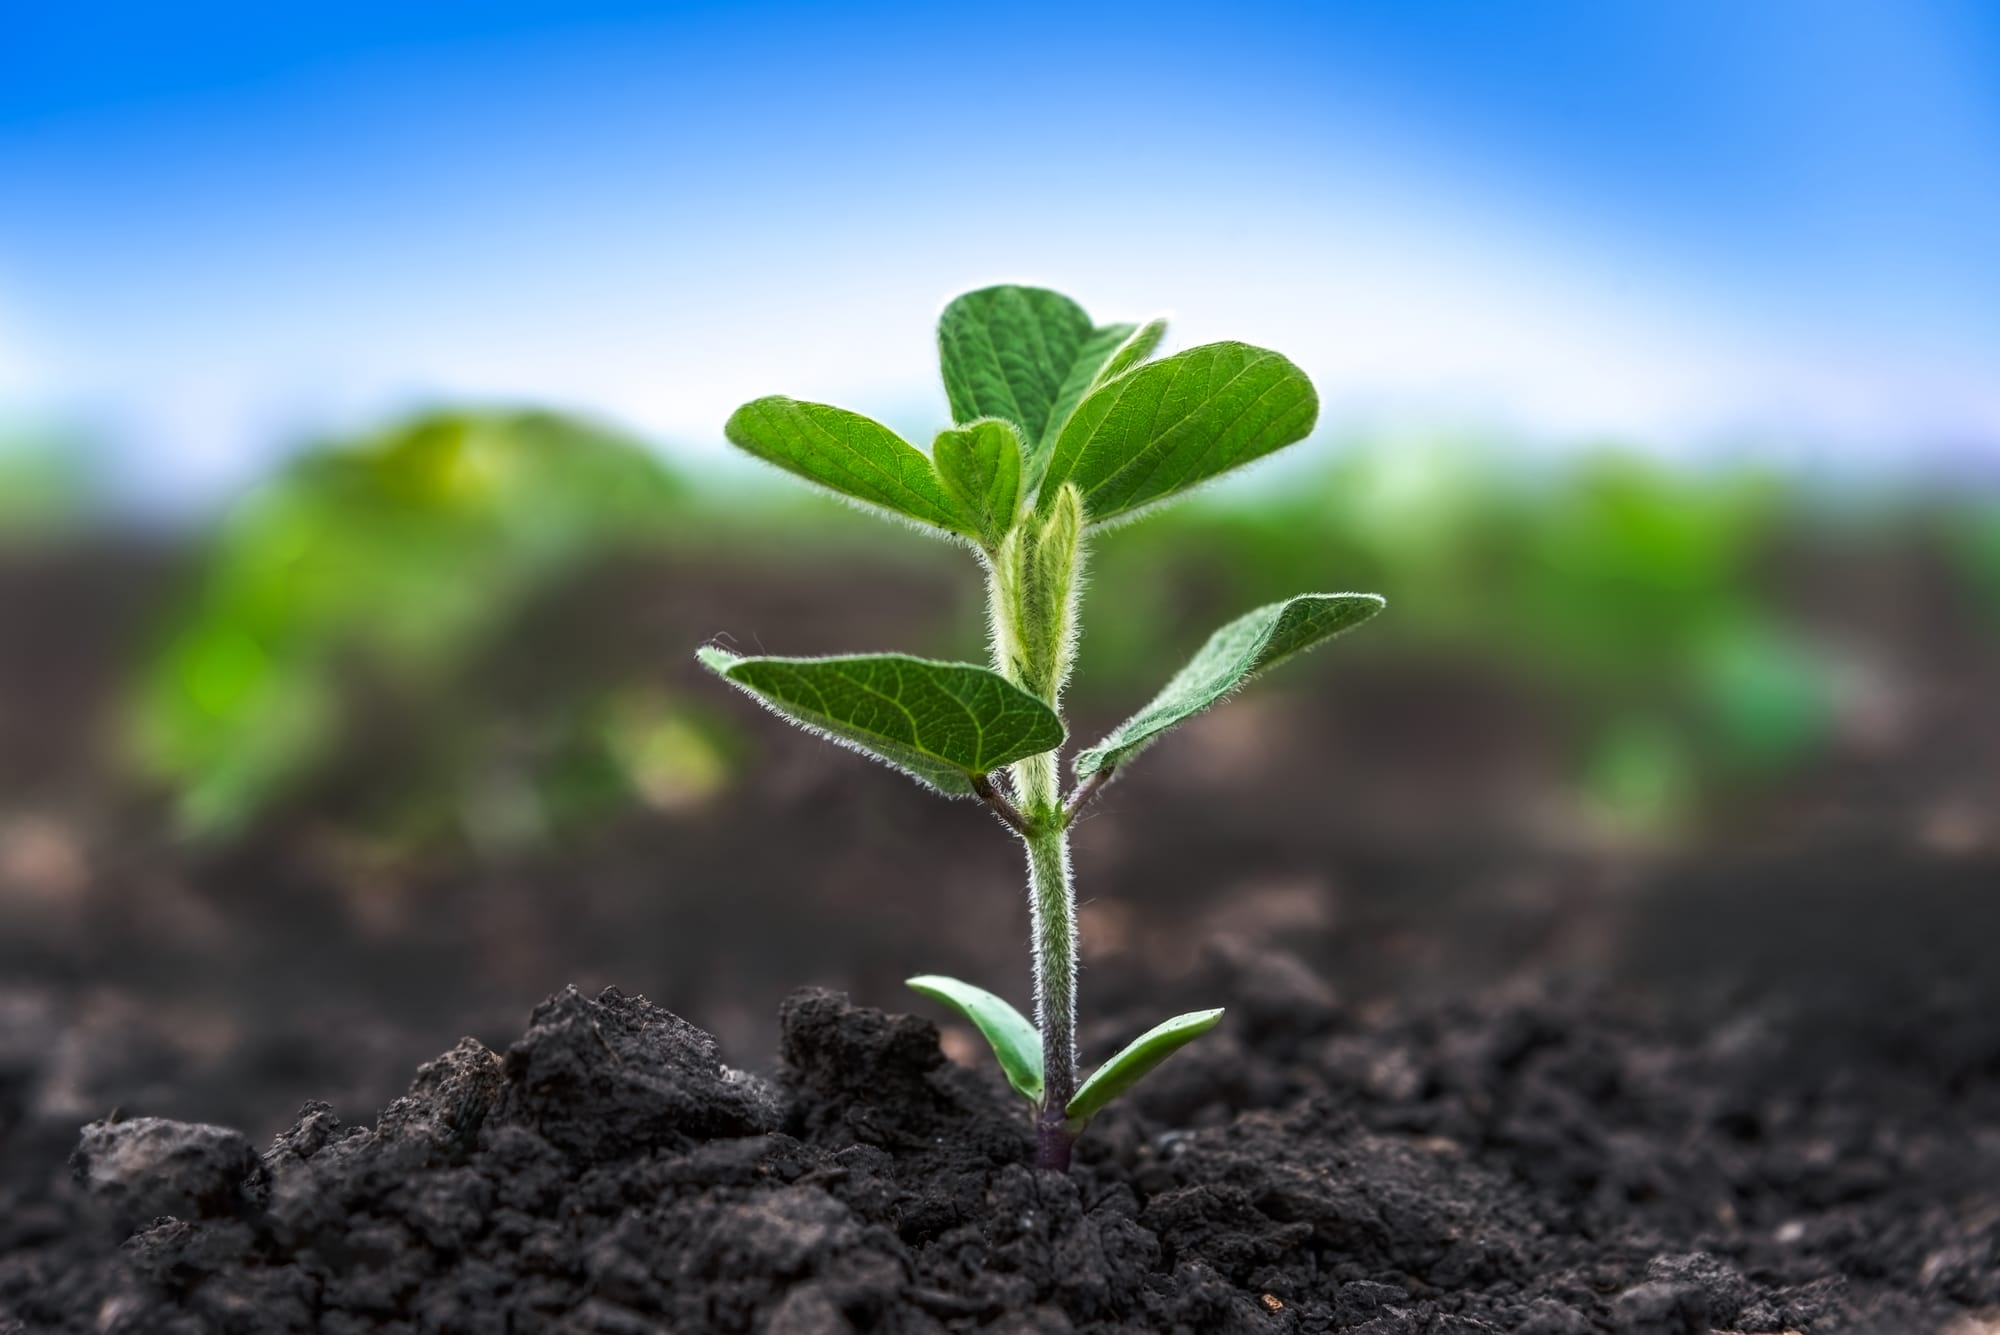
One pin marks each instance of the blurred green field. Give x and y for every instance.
(369, 583)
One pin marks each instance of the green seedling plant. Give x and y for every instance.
(1063, 427)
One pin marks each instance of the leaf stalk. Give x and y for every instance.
(1002, 807)
(1083, 794)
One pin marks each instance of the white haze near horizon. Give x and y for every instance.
(1398, 330)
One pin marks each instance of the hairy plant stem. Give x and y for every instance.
(1032, 585)
(1054, 914)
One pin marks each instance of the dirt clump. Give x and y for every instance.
(1530, 1163)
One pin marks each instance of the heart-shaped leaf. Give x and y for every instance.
(851, 455)
(1014, 1039)
(1134, 1061)
(980, 465)
(944, 724)
(1240, 650)
(1028, 355)
(1164, 427)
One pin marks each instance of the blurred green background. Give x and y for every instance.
(1686, 624)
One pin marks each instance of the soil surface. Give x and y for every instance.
(1527, 1161)
(1484, 1069)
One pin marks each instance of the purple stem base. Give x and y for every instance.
(1053, 1143)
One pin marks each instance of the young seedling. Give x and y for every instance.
(1064, 427)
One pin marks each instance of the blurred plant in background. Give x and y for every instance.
(347, 605)
(1634, 590)
(45, 486)
(1976, 540)
(347, 646)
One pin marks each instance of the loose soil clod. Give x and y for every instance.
(1537, 1164)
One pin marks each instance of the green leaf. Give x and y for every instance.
(1169, 425)
(980, 465)
(1006, 352)
(1130, 353)
(943, 724)
(1134, 1061)
(1246, 646)
(1111, 351)
(1015, 1041)
(851, 455)
(1028, 355)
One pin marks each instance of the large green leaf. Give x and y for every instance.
(1169, 425)
(1025, 354)
(944, 724)
(1006, 352)
(980, 465)
(1134, 1061)
(1237, 652)
(852, 455)
(1014, 1039)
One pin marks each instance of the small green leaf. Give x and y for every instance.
(1167, 426)
(1111, 350)
(851, 455)
(1130, 353)
(1025, 354)
(1015, 1041)
(943, 724)
(1134, 1061)
(1246, 646)
(980, 465)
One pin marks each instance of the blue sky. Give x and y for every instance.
(1677, 222)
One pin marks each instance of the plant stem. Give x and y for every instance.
(1032, 589)
(1053, 908)
(1052, 912)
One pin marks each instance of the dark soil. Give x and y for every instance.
(1747, 1082)
(1554, 1164)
